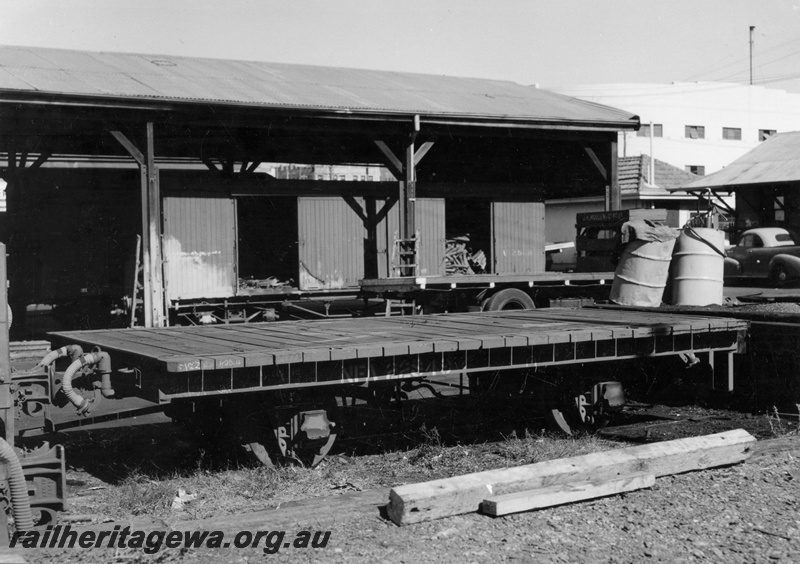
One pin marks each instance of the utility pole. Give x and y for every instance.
(652, 158)
(752, 28)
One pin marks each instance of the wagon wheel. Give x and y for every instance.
(259, 453)
(301, 433)
(588, 411)
(567, 420)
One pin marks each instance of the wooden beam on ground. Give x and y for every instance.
(11, 556)
(318, 512)
(500, 505)
(414, 503)
(789, 444)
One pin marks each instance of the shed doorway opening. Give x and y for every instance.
(468, 230)
(267, 241)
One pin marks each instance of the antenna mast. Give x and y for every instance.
(752, 27)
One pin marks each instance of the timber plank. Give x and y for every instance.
(157, 337)
(315, 513)
(568, 493)
(619, 329)
(642, 319)
(414, 503)
(11, 556)
(277, 346)
(488, 333)
(509, 332)
(273, 335)
(257, 338)
(209, 343)
(122, 342)
(258, 359)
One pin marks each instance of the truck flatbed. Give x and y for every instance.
(409, 283)
(191, 361)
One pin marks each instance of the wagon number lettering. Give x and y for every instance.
(197, 364)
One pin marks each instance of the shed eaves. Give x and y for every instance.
(776, 160)
(29, 71)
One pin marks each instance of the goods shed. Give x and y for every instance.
(97, 148)
(766, 182)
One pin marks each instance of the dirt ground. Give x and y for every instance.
(744, 513)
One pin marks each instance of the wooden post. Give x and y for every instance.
(147, 306)
(409, 202)
(613, 178)
(6, 394)
(154, 314)
(153, 226)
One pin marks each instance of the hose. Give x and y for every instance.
(20, 503)
(74, 351)
(704, 240)
(103, 360)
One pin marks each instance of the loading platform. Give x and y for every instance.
(181, 362)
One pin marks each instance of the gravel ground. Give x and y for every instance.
(744, 513)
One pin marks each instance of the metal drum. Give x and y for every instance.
(642, 273)
(698, 266)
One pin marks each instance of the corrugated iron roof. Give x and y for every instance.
(27, 71)
(775, 160)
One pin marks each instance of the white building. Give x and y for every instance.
(699, 127)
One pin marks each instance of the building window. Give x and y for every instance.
(732, 133)
(644, 130)
(764, 134)
(699, 170)
(369, 178)
(695, 132)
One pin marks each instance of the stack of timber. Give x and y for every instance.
(459, 260)
(566, 480)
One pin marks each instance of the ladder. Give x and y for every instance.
(405, 259)
(405, 256)
(137, 293)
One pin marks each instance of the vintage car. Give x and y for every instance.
(764, 252)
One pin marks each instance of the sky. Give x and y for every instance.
(551, 43)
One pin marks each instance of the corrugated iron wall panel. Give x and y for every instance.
(331, 243)
(199, 247)
(387, 229)
(430, 222)
(518, 229)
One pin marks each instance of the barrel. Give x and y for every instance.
(642, 273)
(698, 264)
